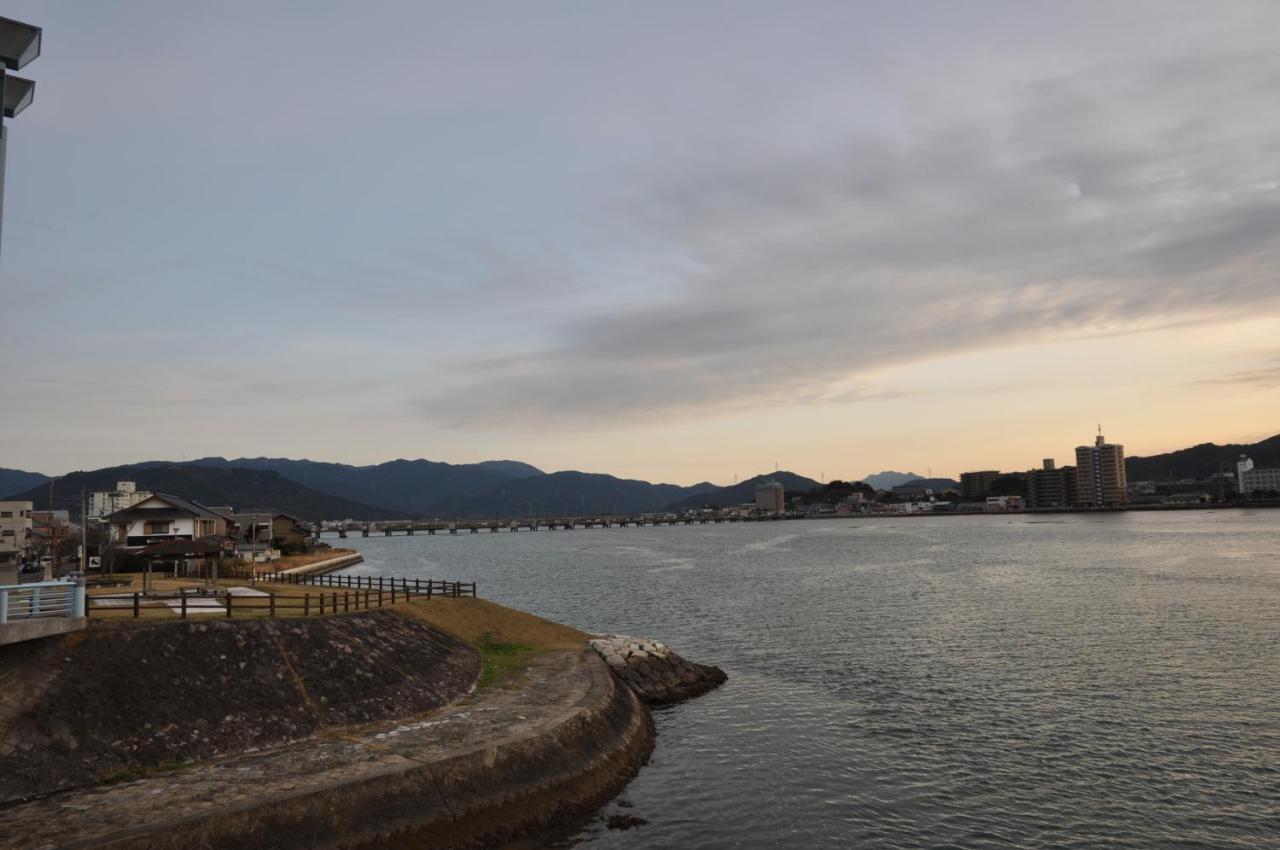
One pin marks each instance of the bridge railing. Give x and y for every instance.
(40, 600)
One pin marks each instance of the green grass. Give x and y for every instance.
(502, 661)
(132, 773)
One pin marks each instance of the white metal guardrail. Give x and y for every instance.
(41, 599)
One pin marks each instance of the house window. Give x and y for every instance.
(6, 514)
(156, 528)
(8, 532)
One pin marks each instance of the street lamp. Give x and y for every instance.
(19, 44)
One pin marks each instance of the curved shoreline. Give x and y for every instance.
(501, 763)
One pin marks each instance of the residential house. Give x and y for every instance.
(260, 531)
(162, 518)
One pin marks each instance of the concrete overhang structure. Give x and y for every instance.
(19, 44)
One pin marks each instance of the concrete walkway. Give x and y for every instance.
(488, 767)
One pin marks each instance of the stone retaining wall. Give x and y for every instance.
(503, 764)
(656, 673)
(127, 697)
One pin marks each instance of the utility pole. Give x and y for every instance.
(53, 536)
(84, 533)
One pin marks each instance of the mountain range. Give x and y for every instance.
(413, 487)
(1202, 461)
(422, 488)
(16, 480)
(745, 491)
(215, 487)
(887, 480)
(568, 493)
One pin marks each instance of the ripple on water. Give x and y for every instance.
(973, 682)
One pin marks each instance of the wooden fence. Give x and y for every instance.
(385, 584)
(339, 594)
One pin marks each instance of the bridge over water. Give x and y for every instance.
(409, 529)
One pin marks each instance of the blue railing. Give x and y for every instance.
(41, 599)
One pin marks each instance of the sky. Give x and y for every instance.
(676, 241)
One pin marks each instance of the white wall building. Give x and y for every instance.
(1250, 480)
(161, 518)
(126, 495)
(15, 530)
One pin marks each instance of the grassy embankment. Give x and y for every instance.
(506, 638)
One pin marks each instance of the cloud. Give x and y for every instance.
(1265, 377)
(1117, 199)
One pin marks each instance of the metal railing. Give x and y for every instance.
(41, 599)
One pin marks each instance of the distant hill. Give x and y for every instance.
(566, 494)
(1201, 461)
(232, 486)
(889, 480)
(741, 493)
(937, 485)
(406, 486)
(17, 481)
(512, 468)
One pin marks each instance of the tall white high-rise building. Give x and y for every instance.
(126, 495)
(1100, 474)
(771, 497)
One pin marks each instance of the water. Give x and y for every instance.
(984, 682)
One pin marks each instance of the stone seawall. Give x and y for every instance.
(501, 764)
(116, 700)
(656, 673)
(328, 565)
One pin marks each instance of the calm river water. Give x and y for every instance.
(1072, 681)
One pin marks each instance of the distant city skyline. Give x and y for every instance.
(674, 242)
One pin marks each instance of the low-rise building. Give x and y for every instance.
(161, 518)
(1004, 503)
(264, 530)
(15, 531)
(1250, 480)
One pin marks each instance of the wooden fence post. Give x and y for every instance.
(229, 598)
(183, 592)
(272, 603)
(306, 604)
(135, 605)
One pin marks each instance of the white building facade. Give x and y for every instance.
(1251, 480)
(15, 531)
(161, 518)
(771, 497)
